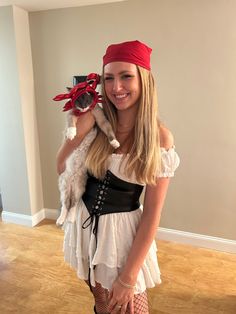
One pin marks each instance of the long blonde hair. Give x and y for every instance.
(144, 153)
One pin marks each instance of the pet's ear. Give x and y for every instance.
(69, 88)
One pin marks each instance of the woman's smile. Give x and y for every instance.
(121, 96)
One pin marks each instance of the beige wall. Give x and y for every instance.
(13, 168)
(193, 60)
(20, 173)
(28, 108)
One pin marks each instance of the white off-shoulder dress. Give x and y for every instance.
(116, 233)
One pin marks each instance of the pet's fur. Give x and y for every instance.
(73, 180)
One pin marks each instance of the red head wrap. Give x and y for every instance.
(130, 51)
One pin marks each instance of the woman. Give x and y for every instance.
(111, 242)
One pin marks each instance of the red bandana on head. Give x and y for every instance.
(78, 92)
(134, 52)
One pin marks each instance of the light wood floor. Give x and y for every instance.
(34, 278)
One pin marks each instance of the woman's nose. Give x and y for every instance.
(117, 86)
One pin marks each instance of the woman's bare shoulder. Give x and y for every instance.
(166, 137)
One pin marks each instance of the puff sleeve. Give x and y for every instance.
(169, 161)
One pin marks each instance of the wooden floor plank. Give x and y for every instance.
(35, 279)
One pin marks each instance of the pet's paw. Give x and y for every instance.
(71, 133)
(60, 221)
(114, 143)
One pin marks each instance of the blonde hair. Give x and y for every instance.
(144, 153)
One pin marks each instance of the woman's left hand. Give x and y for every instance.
(120, 298)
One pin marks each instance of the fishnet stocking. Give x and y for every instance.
(101, 301)
(101, 296)
(140, 304)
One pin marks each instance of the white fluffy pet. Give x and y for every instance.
(73, 180)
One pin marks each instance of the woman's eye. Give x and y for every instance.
(127, 76)
(108, 78)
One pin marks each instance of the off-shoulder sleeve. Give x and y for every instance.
(170, 162)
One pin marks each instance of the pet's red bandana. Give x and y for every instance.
(87, 87)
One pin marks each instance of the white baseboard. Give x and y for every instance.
(19, 219)
(171, 235)
(28, 220)
(52, 214)
(199, 240)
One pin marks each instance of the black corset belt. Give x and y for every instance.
(110, 195)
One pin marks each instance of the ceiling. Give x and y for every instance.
(39, 5)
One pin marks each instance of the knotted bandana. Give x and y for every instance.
(134, 52)
(83, 96)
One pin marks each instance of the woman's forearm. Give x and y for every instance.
(153, 204)
(145, 235)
